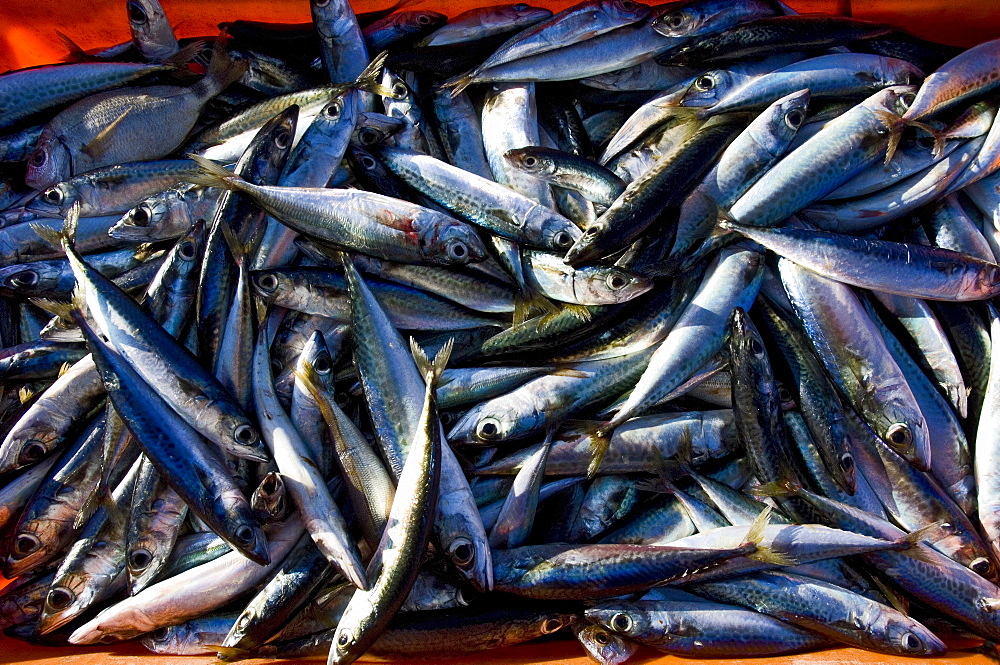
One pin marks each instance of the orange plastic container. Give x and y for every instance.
(28, 37)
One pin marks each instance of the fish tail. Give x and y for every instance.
(459, 83)
(600, 441)
(909, 544)
(896, 126)
(940, 137)
(185, 55)
(371, 77)
(213, 175)
(779, 488)
(223, 69)
(75, 51)
(431, 369)
(228, 654)
(762, 553)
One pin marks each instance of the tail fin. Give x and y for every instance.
(75, 51)
(459, 83)
(431, 369)
(600, 441)
(755, 534)
(371, 77)
(222, 70)
(779, 488)
(214, 175)
(186, 54)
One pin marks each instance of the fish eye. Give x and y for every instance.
(627, 5)
(981, 566)
(59, 598)
(23, 279)
(54, 196)
(602, 638)
(267, 282)
(458, 251)
(530, 161)
(794, 118)
(244, 621)
(160, 634)
(136, 14)
(186, 250)
(321, 3)
(621, 622)
(675, 20)
(368, 136)
(906, 100)
(846, 463)
(911, 642)
(462, 552)
(399, 90)
(139, 558)
(283, 139)
(32, 452)
(276, 366)
(244, 534)
(332, 110)
(140, 216)
(38, 157)
(245, 434)
(488, 429)
(616, 281)
(424, 19)
(899, 436)
(756, 347)
(705, 83)
(593, 229)
(562, 239)
(551, 626)
(519, 7)
(322, 364)
(344, 638)
(367, 162)
(25, 544)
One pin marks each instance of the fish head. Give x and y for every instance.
(602, 645)
(496, 421)
(26, 447)
(353, 627)
(708, 88)
(702, 17)
(448, 241)
(151, 218)
(607, 285)
(587, 247)
(152, 33)
(982, 281)
(55, 199)
(49, 163)
(242, 530)
(66, 599)
(531, 160)
(31, 544)
(620, 618)
(267, 283)
(520, 12)
(422, 19)
(29, 279)
(625, 10)
(142, 561)
(909, 637)
(556, 232)
(175, 640)
(901, 72)
(745, 343)
(374, 128)
(780, 122)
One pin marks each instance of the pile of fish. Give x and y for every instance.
(413, 336)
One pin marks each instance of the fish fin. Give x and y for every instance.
(75, 51)
(63, 369)
(988, 604)
(459, 83)
(186, 54)
(228, 654)
(431, 369)
(25, 394)
(527, 306)
(99, 145)
(898, 602)
(659, 484)
(569, 372)
(213, 175)
(223, 69)
(940, 137)
(923, 532)
(236, 248)
(370, 78)
(896, 126)
(778, 488)
(51, 236)
(600, 441)
(63, 310)
(755, 534)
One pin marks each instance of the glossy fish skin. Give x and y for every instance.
(156, 515)
(987, 441)
(376, 224)
(960, 78)
(407, 532)
(151, 30)
(900, 268)
(839, 329)
(481, 22)
(731, 281)
(666, 184)
(816, 605)
(37, 360)
(586, 285)
(570, 171)
(168, 214)
(482, 201)
(179, 452)
(343, 46)
(47, 523)
(110, 127)
(766, 35)
(586, 572)
(842, 148)
(24, 93)
(701, 628)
